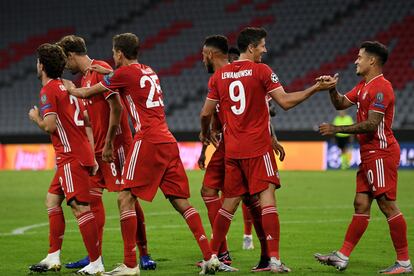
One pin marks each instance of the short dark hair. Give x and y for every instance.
(128, 44)
(73, 44)
(234, 50)
(376, 48)
(219, 42)
(250, 35)
(53, 59)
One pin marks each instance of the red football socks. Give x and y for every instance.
(220, 229)
(141, 231)
(89, 231)
(56, 228)
(398, 231)
(271, 227)
(256, 213)
(354, 233)
(193, 220)
(129, 231)
(213, 204)
(98, 210)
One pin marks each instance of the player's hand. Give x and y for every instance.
(326, 82)
(204, 138)
(278, 148)
(34, 114)
(69, 85)
(202, 161)
(327, 129)
(94, 169)
(99, 69)
(215, 138)
(108, 153)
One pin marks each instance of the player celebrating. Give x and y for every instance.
(111, 134)
(242, 88)
(62, 117)
(153, 160)
(380, 156)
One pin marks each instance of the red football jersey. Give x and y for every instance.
(376, 95)
(69, 140)
(98, 111)
(141, 92)
(241, 89)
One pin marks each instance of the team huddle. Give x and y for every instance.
(95, 150)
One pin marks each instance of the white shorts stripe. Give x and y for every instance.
(68, 178)
(272, 171)
(266, 165)
(133, 161)
(382, 172)
(121, 156)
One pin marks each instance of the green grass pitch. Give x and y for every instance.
(315, 209)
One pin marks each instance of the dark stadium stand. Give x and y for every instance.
(306, 39)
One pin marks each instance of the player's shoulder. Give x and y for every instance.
(381, 84)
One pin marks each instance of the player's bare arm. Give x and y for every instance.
(47, 124)
(202, 159)
(84, 92)
(338, 100)
(116, 108)
(277, 147)
(100, 69)
(369, 125)
(289, 100)
(89, 133)
(205, 117)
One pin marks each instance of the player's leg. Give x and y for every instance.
(145, 260)
(359, 223)
(247, 231)
(386, 189)
(398, 232)
(56, 231)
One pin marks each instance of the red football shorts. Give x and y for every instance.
(149, 166)
(71, 180)
(251, 175)
(379, 176)
(109, 175)
(214, 176)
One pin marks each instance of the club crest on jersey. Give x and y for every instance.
(274, 78)
(107, 78)
(43, 99)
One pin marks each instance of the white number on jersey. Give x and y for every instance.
(74, 100)
(240, 98)
(154, 86)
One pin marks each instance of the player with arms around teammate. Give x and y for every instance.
(61, 115)
(242, 88)
(112, 137)
(380, 156)
(153, 160)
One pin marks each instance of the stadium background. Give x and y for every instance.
(306, 39)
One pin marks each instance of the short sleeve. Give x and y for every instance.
(352, 95)
(114, 80)
(212, 89)
(380, 97)
(47, 102)
(268, 78)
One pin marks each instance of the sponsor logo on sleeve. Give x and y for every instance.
(274, 78)
(107, 78)
(46, 106)
(379, 98)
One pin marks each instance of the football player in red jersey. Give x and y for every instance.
(112, 137)
(380, 156)
(153, 161)
(61, 115)
(242, 88)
